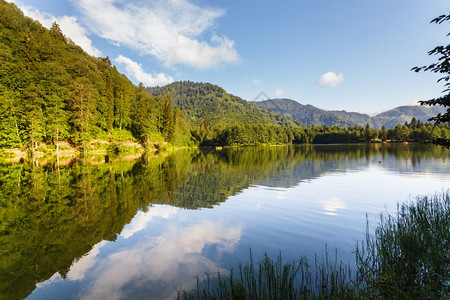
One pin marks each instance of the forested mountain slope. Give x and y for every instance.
(205, 101)
(402, 114)
(307, 114)
(313, 116)
(51, 90)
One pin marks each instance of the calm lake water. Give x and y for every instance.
(142, 228)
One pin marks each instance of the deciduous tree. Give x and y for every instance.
(442, 66)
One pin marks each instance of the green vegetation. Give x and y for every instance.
(313, 116)
(408, 257)
(53, 95)
(220, 119)
(257, 134)
(205, 102)
(442, 67)
(53, 212)
(51, 216)
(52, 91)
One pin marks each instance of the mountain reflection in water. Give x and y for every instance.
(86, 229)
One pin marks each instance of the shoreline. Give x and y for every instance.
(113, 149)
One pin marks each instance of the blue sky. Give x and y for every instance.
(352, 55)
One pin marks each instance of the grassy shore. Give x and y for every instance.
(407, 257)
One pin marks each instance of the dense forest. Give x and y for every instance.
(51, 91)
(205, 101)
(221, 119)
(257, 134)
(53, 94)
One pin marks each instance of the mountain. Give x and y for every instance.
(402, 114)
(311, 115)
(205, 101)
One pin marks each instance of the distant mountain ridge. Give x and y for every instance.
(311, 115)
(208, 102)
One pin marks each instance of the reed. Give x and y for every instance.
(408, 257)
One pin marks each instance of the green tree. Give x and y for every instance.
(36, 126)
(57, 120)
(123, 94)
(108, 97)
(34, 100)
(9, 126)
(168, 119)
(83, 99)
(144, 124)
(442, 67)
(383, 133)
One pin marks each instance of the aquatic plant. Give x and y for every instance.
(408, 257)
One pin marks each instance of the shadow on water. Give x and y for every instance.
(52, 213)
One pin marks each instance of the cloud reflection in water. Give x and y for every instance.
(332, 205)
(158, 266)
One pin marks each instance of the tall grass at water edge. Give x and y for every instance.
(407, 257)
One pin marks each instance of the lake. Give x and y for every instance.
(144, 227)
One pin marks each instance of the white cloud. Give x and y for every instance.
(279, 92)
(54, 279)
(256, 81)
(330, 79)
(79, 268)
(141, 219)
(168, 261)
(69, 26)
(169, 30)
(134, 70)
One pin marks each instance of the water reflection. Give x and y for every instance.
(57, 221)
(161, 264)
(142, 219)
(332, 205)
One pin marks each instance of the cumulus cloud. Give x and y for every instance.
(141, 219)
(279, 92)
(256, 81)
(167, 262)
(330, 79)
(78, 269)
(134, 70)
(168, 30)
(69, 26)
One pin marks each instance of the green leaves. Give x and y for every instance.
(50, 90)
(442, 67)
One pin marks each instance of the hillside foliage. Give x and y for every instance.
(211, 103)
(51, 90)
(442, 66)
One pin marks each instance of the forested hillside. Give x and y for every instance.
(211, 103)
(51, 90)
(313, 116)
(403, 114)
(306, 114)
